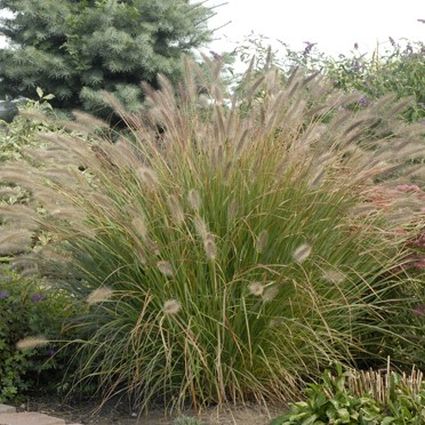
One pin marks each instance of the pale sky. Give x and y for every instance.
(334, 24)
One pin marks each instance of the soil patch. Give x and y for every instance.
(83, 412)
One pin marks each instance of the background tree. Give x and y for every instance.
(74, 49)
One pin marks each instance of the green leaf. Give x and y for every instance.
(40, 92)
(309, 421)
(344, 414)
(388, 420)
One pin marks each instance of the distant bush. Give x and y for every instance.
(396, 401)
(396, 67)
(227, 250)
(29, 309)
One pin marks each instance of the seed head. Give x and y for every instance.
(165, 268)
(334, 276)
(270, 293)
(140, 227)
(232, 210)
(99, 295)
(148, 177)
(261, 242)
(210, 247)
(301, 253)
(15, 241)
(31, 342)
(194, 199)
(171, 307)
(256, 288)
(141, 257)
(201, 227)
(176, 209)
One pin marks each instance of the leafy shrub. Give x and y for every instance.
(395, 67)
(17, 226)
(28, 309)
(22, 132)
(334, 402)
(399, 70)
(229, 250)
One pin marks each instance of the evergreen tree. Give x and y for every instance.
(75, 48)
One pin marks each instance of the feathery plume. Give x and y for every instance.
(88, 120)
(99, 295)
(301, 253)
(171, 307)
(14, 241)
(148, 177)
(334, 276)
(165, 268)
(256, 288)
(201, 227)
(261, 241)
(194, 199)
(31, 342)
(210, 247)
(270, 293)
(140, 227)
(233, 209)
(176, 209)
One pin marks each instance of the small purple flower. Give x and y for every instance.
(51, 352)
(4, 294)
(309, 46)
(36, 298)
(363, 101)
(419, 310)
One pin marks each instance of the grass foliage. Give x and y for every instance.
(227, 249)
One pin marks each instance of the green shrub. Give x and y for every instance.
(393, 69)
(228, 253)
(22, 132)
(334, 402)
(28, 309)
(396, 67)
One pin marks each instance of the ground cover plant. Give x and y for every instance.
(227, 249)
(371, 398)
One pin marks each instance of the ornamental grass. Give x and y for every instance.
(227, 248)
